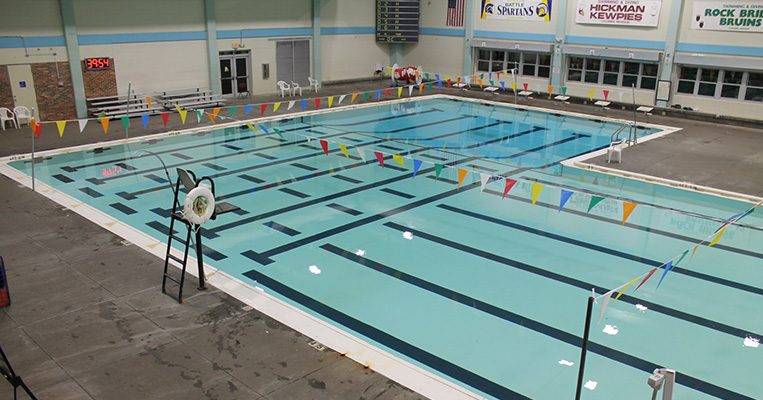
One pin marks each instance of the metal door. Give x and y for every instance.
(22, 87)
(234, 73)
(293, 61)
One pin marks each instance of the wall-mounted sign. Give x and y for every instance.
(739, 16)
(22, 84)
(97, 63)
(619, 12)
(526, 10)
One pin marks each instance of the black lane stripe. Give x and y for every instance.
(63, 178)
(694, 319)
(384, 146)
(436, 158)
(156, 178)
(251, 178)
(537, 326)
(397, 193)
(444, 366)
(214, 166)
(266, 156)
(344, 209)
(123, 208)
(347, 179)
(602, 249)
(205, 250)
(178, 155)
(90, 192)
(281, 228)
(303, 166)
(294, 193)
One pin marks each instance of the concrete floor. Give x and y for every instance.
(88, 320)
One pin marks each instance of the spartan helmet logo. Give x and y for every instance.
(541, 9)
(489, 8)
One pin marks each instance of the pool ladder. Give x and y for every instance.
(632, 134)
(183, 262)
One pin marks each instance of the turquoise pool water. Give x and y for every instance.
(484, 291)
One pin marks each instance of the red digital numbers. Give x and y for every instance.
(97, 63)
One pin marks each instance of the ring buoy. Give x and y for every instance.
(199, 205)
(407, 74)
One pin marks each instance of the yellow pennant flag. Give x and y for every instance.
(461, 176)
(514, 87)
(61, 126)
(628, 209)
(626, 286)
(718, 237)
(421, 87)
(536, 189)
(550, 92)
(590, 94)
(458, 80)
(331, 101)
(354, 96)
(105, 125)
(399, 159)
(389, 70)
(343, 148)
(694, 250)
(399, 91)
(148, 101)
(480, 82)
(251, 127)
(276, 105)
(215, 112)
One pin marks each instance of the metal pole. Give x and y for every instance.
(584, 348)
(514, 72)
(34, 137)
(129, 94)
(12, 378)
(200, 258)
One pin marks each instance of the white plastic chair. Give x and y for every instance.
(615, 150)
(294, 88)
(313, 83)
(7, 115)
(22, 113)
(284, 88)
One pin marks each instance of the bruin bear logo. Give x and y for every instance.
(581, 12)
(488, 8)
(700, 23)
(541, 9)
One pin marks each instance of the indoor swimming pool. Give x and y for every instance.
(483, 290)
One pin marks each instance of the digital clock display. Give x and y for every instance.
(97, 63)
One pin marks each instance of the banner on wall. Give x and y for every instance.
(739, 16)
(619, 12)
(525, 10)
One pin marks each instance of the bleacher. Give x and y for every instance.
(119, 106)
(191, 98)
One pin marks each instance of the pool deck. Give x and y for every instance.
(88, 319)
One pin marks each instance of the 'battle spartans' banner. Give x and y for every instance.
(526, 10)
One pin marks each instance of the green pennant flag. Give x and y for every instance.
(681, 258)
(492, 83)
(366, 96)
(429, 86)
(426, 74)
(232, 111)
(437, 169)
(125, 123)
(278, 131)
(594, 201)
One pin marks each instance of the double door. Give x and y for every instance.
(235, 71)
(293, 61)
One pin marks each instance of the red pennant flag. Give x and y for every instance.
(165, 118)
(646, 278)
(263, 107)
(325, 146)
(448, 82)
(37, 129)
(380, 157)
(509, 184)
(318, 103)
(606, 94)
(387, 92)
(525, 86)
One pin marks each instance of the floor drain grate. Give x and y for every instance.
(316, 345)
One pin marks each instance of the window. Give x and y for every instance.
(721, 83)
(649, 76)
(612, 72)
(630, 74)
(527, 64)
(592, 69)
(575, 70)
(544, 65)
(497, 61)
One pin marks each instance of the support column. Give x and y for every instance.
(213, 56)
(396, 54)
(671, 40)
(75, 64)
(317, 41)
(559, 14)
(467, 66)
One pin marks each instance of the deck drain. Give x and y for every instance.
(317, 346)
(126, 243)
(247, 308)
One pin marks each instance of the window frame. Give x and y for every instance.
(602, 71)
(743, 85)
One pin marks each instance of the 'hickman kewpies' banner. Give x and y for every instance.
(740, 16)
(526, 10)
(619, 12)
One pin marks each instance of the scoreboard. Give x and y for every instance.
(397, 21)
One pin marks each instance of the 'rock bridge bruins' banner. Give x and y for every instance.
(526, 10)
(736, 15)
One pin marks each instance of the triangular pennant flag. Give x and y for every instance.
(625, 287)
(399, 159)
(165, 118)
(36, 128)
(200, 115)
(353, 97)
(148, 101)
(514, 87)
(628, 209)
(429, 85)
(525, 85)
(594, 201)
(694, 249)
(426, 75)
(251, 127)
(490, 75)
(536, 189)
(564, 90)
(717, 237)
(61, 125)
(681, 257)
(492, 83)
(564, 197)
(276, 105)
(503, 85)
(447, 78)
(247, 109)
(125, 123)
(341, 98)
(105, 125)
(380, 158)
(668, 267)
(604, 304)
(410, 90)
(317, 103)
(232, 111)
(399, 91)
(646, 278)
(264, 129)
(343, 149)
(550, 90)
(291, 104)
(183, 115)
(479, 80)
(509, 184)
(387, 92)
(330, 101)
(421, 87)
(324, 146)
(263, 107)
(606, 94)
(461, 175)
(303, 104)
(437, 170)
(590, 94)
(82, 122)
(361, 153)
(144, 118)
(365, 95)
(378, 94)
(484, 179)
(416, 166)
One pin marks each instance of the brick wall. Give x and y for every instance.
(100, 83)
(54, 102)
(6, 96)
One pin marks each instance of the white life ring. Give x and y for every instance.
(199, 205)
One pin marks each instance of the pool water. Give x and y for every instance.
(487, 292)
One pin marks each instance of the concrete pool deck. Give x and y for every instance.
(103, 330)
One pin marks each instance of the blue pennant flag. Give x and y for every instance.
(439, 84)
(264, 129)
(437, 77)
(490, 76)
(144, 119)
(416, 166)
(378, 94)
(247, 109)
(668, 267)
(503, 85)
(566, 194)
(303, 104)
